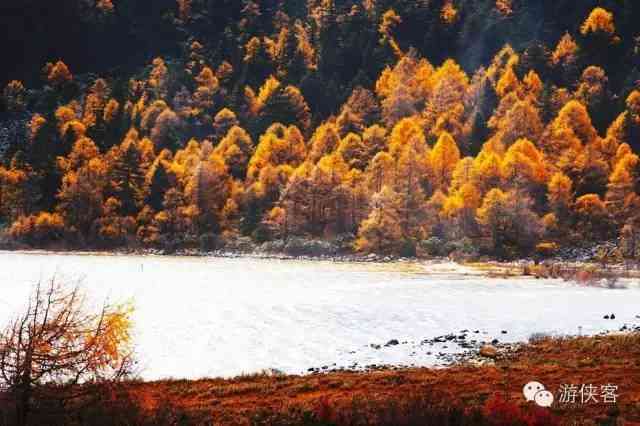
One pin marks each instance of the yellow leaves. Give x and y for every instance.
(68, 124)
(592, 85)
(381, 231)
(386, 83)
(550, 222)
(621, 175)
(353, 150)
(268, 88)
(64, 114)
(523, 163)
(324, 141)
(493, 204)
(575, 119)
(625, 168)
(463, 173)
(600, 21)
(381, 171)
(449, 13)
(208, 86)
(590, 206)
(116, 332)
(566, 51)
(279, 146)
(257, 102)
(236, 148)
(252, 48)
(633, 105)
(12, 176)
(467, 197)
(36, 123)
(504, 7)
(95, 102)
(59, 74)
(450, 121)
(304, 47)
(158, 78)
(48, 220)
(487, 169)
(448, 84)
(507, 83)
(390, 20)
(111, 111)
(443, 160)
(560, 191)
(375, 139)
(450, 70)
(333, 166)
(407, 133)
(208, 79)
(423, 77)
(84, 150)
(547, 248)
(533, 84)
(621, 195)
(40, 227)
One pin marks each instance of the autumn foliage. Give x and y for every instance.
(202, 150)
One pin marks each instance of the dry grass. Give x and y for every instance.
(462, 395)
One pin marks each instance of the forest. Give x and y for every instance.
(502, 128)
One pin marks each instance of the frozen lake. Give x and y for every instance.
(198, 317)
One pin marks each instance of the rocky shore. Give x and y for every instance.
(466, 347)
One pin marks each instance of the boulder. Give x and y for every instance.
(489, 351)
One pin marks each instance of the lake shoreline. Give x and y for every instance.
(410, 393)
(567, 269)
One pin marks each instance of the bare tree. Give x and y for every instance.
(57, 344)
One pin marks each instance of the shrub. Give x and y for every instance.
(408, 249)
(434, 246)
(209, 242)
(547, 249)
(506, 413)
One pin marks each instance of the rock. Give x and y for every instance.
(495, 341)
(504, 331)
(489, 351)
(613, 316)
(606, 317)
(374, 346)
(392, 342)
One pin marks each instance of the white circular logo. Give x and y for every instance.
(531, 389)
(544, 398)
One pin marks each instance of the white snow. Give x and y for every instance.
(203, 317)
